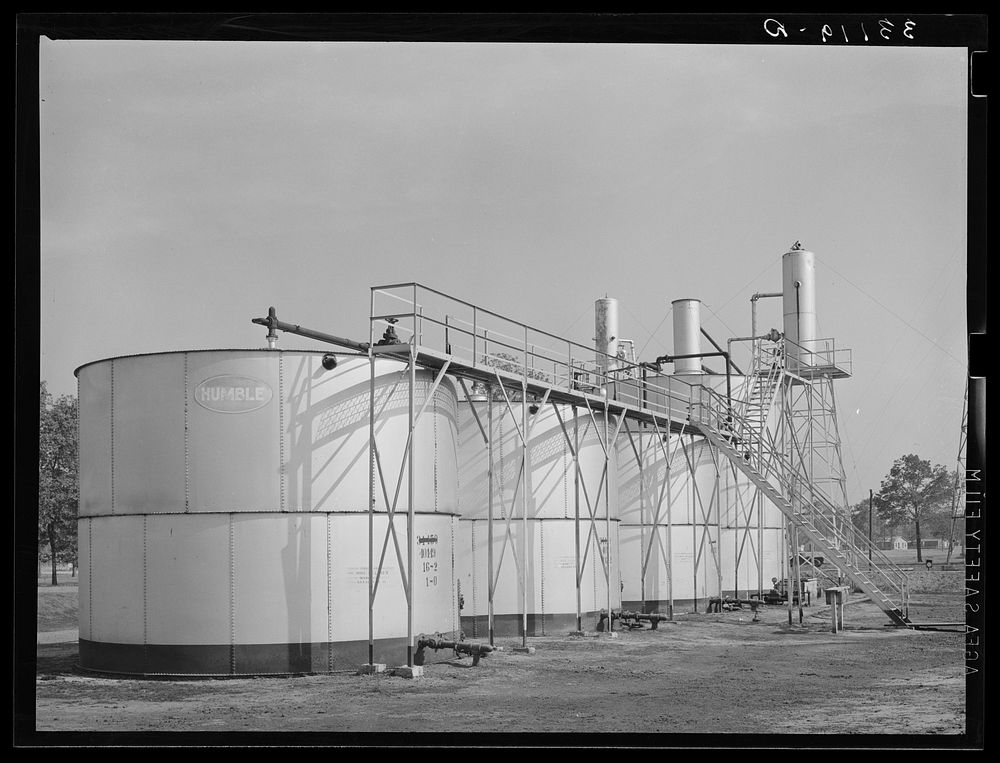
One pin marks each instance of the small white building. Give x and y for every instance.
(896, 543)
(935, 543)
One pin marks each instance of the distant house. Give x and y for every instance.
(896, 543)
(933, 543)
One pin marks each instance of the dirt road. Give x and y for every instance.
(702, 673)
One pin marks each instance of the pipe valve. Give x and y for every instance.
(271, 322)
(436, 642)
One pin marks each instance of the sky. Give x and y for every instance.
(188, 186)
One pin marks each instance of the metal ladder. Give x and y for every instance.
(765, 380)
(767, 368)
(740, 433)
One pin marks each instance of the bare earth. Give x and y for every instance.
(702, 674)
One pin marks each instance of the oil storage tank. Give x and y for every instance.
(551, 542)
(695, 530)
(751, 527)
(223, 519)
(669, 521)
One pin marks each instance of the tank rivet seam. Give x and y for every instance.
(232, 596)
(475, 605)
(503, 503)
(455, 617)
(541, 553)
(434, 419)
(565, 480)
(90, 578)
(454, 445)
(187, 441)
(281, 430)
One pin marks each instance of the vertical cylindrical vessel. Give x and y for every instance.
(224, 512)
(687, 335)
(694, 530)
(645, 518)
(550, 480)
(798, 279)
(605, 332)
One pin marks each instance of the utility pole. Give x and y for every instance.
(870, 541)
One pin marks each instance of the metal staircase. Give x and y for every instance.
(740, 432)
(763, 383)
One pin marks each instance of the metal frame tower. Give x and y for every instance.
(958, 490)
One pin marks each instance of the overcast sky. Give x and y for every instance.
(187, 186)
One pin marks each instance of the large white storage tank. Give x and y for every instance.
(752, 529)
(224, 512)
(686, 531)
(688, 552)
(551, 525)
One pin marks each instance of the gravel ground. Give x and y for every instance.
(706, 674)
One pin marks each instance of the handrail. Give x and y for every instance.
(824, 349)
(490, 338)
(479, 309)
(560, 367)
(713, 411)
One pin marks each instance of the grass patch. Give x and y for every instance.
(58, 607)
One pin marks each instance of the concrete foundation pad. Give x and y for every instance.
(406, 671)
(523, 650)
(369, 669)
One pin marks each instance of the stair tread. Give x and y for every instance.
(837, 548)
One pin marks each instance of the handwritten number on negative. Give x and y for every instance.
(775, 28)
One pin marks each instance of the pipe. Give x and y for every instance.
(772, 336)
(272, 323)
(653, 618)
(475, 650)
(717, 603)
(753, 307)
(724, 352)
(729, 380)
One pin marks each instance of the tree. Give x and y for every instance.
(58, 481)
(914, 492)
(859, 517)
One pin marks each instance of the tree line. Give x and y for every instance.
(914, 494)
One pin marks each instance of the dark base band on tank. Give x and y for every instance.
(662, 606)
(682, 606)
(242, 659)
(649, 606)
(477, 627)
